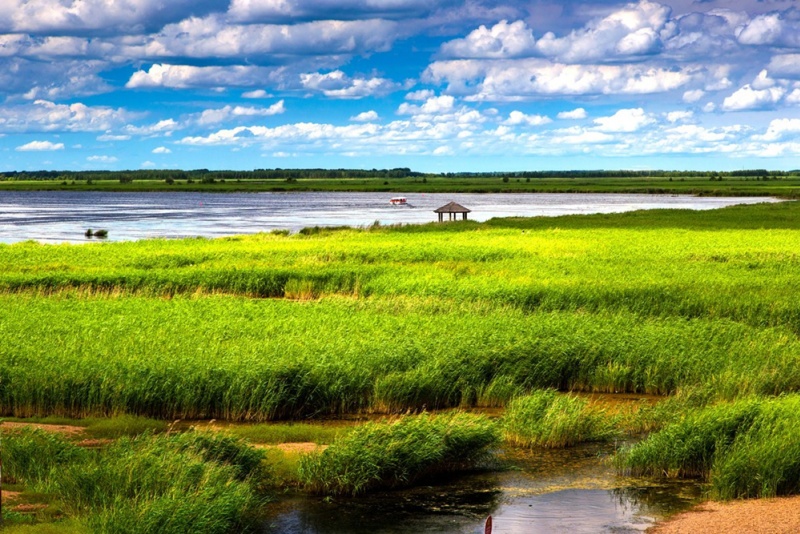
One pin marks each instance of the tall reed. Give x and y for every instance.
(548, 419)
(180, 483)
(397, 453)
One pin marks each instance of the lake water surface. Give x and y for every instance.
(57, 216)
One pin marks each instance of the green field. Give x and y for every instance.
(786, 186)
(697, 307)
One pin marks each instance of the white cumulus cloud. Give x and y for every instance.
(365, 116)
(631, 31)
(40, 16)
(189, 76)
(162, 150)
(575, 114)
(215, 116)
(337, 84)
(258, 93)
(524, 78)
(517, 117)
(764, 29)
(679, 116)
(162, 127)
(432, 106)
(422, 94)
(503, 40)
(779, 128)
(40, 146)
(624, 120)
(748, 98)
(693, 95)
(43, 115)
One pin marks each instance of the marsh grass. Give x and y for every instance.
(397, 453)
(276, 433)
(30, 454)
(192, 482)
(552, 420)
(700, 306)
(69, 526)
(232, 358)
(746, 448)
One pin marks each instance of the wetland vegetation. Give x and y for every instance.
(755, 182)
(697, 308)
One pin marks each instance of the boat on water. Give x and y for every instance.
(398, 201)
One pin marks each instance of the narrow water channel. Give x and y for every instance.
(542, 491)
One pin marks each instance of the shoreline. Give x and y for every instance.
(780, 515)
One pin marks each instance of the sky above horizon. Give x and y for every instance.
(443, 86)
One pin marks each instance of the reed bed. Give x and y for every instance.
(550, 420)
(747, 448)
(257, 360)
(397, 453)
(180, 483)
(738, 263)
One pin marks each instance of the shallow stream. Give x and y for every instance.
(542, 491)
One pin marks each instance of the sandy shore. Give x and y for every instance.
(757, 516)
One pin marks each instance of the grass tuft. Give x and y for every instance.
(190, 482)
(395, 454)
(746, 448)
(552, 420)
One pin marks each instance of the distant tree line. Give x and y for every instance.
(210, 176)
(624, 174)
(206, 175)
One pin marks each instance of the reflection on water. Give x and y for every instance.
(57, 216)
(570, 491)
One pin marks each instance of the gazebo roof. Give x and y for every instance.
(452, 207)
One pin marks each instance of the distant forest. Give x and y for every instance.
(206, 176)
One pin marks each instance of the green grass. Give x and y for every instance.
(547, 419)
(738, 263)
(747, 448)
(239, 359)
(396, 454)
(276, 433)
(788, 186)
(396, 319)
(699, 305)
(191, 482)
(58, 527)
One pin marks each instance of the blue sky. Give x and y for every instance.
(435, 86)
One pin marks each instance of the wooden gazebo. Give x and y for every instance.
(452, 210)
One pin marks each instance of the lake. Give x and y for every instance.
(55, 216)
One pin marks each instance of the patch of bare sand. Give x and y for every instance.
(756, 516)
(10, 495)
(67, 430)
(297, 448)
